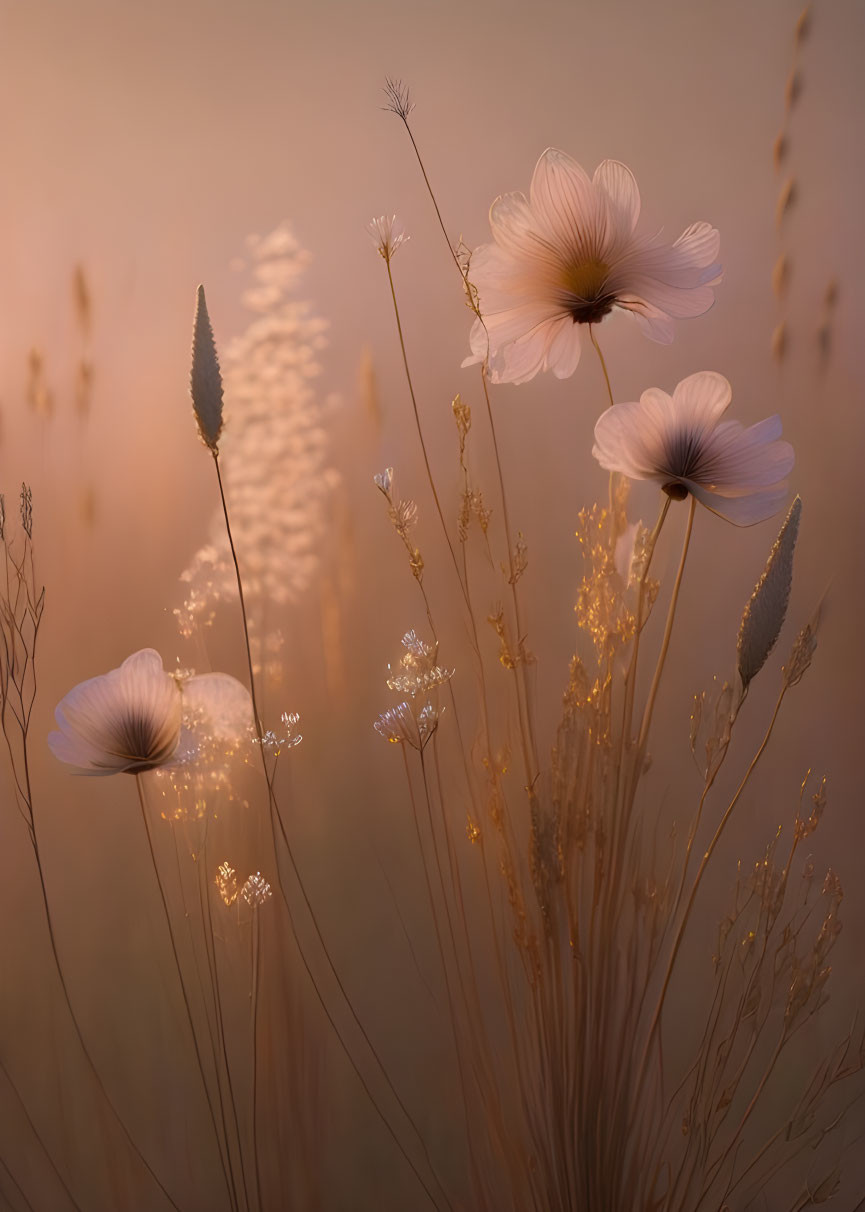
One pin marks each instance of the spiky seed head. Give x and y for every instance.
(205, 381)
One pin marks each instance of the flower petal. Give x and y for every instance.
(619, 184)
(563, 352)
(738, 460)
(701, 399)
(629, 438)
(745, 510)
(124, 720)
(575, 216)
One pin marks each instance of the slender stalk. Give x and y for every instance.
(416, 411)
(594, 341)
(36, 1133)
(276, 821)
(88, 1056)
(401, 108)
(697, 881)
(255, 711)
(256, 949)
(228, 1172)
(668, 631)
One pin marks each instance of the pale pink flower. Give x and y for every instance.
(566, 256)
(133, 718)
(681, 442)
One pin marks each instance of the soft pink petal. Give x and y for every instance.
(520, 360)
(679, 302)
(701, 399)
(700, 245)
(563, 353)
(573, 213)
(619, 184)
(656, 326)
(629, 438)
(514, 227)
(91, 714)
(73, 749)
(745, 510)
(739, 460)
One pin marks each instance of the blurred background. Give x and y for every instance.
(142, 147)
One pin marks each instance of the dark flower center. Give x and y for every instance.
(584, 291)
(684, 459)
(136, 739)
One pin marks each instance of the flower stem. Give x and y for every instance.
(255, 710)
(594, 341)
(710, 849)
(277, 821)
(227, 1170)
(668, 631)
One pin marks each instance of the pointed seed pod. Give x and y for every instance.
(779, 150)
(778, 344)
(205, 381)
(781, 276)
(786, 199)
(765, 612)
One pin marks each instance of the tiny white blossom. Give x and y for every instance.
(387, 235)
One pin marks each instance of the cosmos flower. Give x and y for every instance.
(681, 442)
(139, 717)
(566, 256)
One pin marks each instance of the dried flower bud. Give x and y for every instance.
(384, 481)
(781, 276)
(27, 510)
(786, 199)
(778, 344)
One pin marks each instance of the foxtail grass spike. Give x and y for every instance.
(205, 382)
(764, 615)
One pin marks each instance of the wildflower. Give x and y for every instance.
(226, 882)
(387, 235)
(384, 480)
(134, 718)
(274, 743)
(402, 725)
(418, 672)
(256, 891)
(681, 442)
(566, 256)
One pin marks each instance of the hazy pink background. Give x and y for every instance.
(146, 143)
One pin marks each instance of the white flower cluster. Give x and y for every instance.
(255, 891)
(273, 453)
(414, 722)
